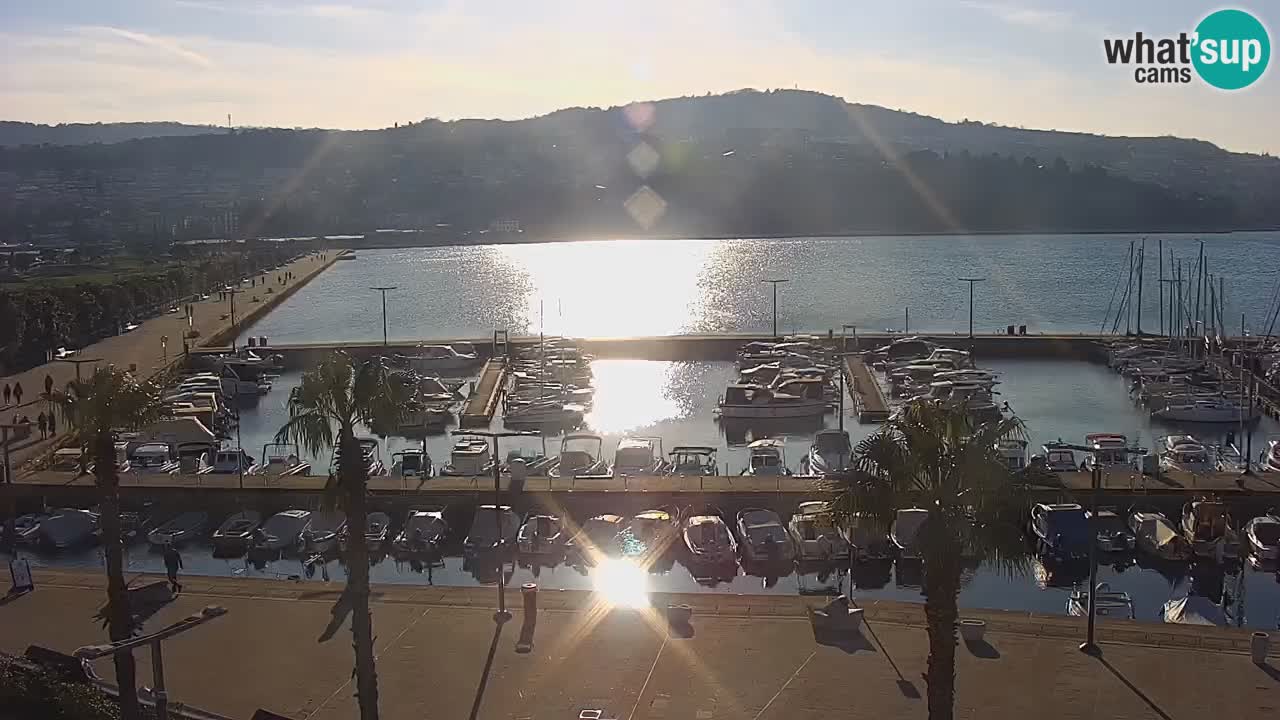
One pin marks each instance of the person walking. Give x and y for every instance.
(52, 430)
(172, 564)
(40, 423)
(8, 393)
(17, 393)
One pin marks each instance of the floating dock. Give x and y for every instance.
(484, 401)
(868, 398)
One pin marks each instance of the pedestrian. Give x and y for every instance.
(52, 430)
(172, 564)
(17, 393)
(8, 392)
(40, 423)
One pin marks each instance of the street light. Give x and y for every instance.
(1089, 647)
(502, 615)
(775, 302)
(231, 296)
(384, 290)
(972, 282)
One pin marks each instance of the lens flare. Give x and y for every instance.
(621, 583)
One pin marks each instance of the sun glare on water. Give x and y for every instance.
(621, 583)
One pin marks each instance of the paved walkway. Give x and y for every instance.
(142, 347)
(748, 657)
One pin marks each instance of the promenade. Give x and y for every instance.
(143, 347)
(749, 657)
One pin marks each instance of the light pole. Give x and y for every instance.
(775, 302)
(1089, 647)
(502, 615)
(384, 290)
(231, 296)
(93, 652)
(972, 281)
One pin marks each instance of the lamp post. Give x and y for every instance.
(384, 290)
(231, 296)
(775, 302)
(502, 615)
(1089, 647)
(972, 281)
(93, 652)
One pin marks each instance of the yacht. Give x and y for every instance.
(693, 460)
(1206, 525)
(639, 456)
(1107, 603)
(764, 539)
(485, 524)
(1110, 451)
(905, 531)
(813, 531)
(1013, 452)
(232, 461)
(829, 454)
(766, 458)
(1185, 453)
(1207, 411)
(801, 397)
(67, 528)
(282, 459)
(236, 532)
(322, 531)
(438, 358)
(282, 530)
(541, 534)
(180, 529)
(469, 456)
(580, 455)
(425, 531)
(1263, 534)
(411, 464)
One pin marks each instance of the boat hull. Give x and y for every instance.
(792, 410)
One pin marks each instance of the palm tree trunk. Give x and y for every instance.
(941, 588)
(119, 621)
(354, 480)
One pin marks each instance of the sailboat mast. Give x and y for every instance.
(1142, 261)
(1128, 295)
(1160, 266)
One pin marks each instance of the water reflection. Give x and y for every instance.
(631, 394)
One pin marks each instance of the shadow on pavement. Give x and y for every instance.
(905, 686)
(849, 641)
(144, 601)
(340, 610)
(1151, 704)
(1271, 672)
(484, 675)
(12, 595)
(982, 649)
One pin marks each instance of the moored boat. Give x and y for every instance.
(281, 531)
(906, 530)
(764, 539)
(236, 532)
(1207, 526)
(180, 529)
(1156, 536)
(829, 453)
(492, 528)
(1263, 534)
(814, 533)
(766, 458)
(541, 534)
(1107, 603)
(425, 531)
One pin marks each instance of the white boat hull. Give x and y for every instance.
(789, 410)
(1205, 415)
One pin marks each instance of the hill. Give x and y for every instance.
(21, 133)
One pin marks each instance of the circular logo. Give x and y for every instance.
(1232, 49)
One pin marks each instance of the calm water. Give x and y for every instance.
(675, 401)
(1051, 283)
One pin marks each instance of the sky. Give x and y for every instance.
(371, 63)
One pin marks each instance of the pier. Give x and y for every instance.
(868, 398)
(484, 399)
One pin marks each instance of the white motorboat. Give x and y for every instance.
(829, 453)
(67, 528)
(1193, 610)
(649, 535)
(801, 397)
(186, 526)
(867, 541)
(425, 531)
(469, 456)
(282, 530)
(1110, 451)
(1107, 603)
(1014, 453)
(905, 531)
(153, 458)
(232, 461)
(580, 455)
(370, 454)
(1263, 534)
(1269, 460)
(1207, 411)
(708, 541)
(813, 531)
(1185, 453)
(1207, 526)
(639, 456)
(764, 539)
(908, 348)
(543, 412)
(597, 538)
(27, 527)
(766, 458)
(693, 460)
(1059, 460)
(237, 530)
(282, 459)
(439, 358)
(322, 532)
(1156, 536)
(541, 534)
(485, 535)
(196, 458)
(411, 464)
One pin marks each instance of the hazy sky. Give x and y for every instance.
(369, 64)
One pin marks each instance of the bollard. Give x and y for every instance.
(1258, 647)
(530, 593)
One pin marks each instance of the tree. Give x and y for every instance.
(934, 457)
(109, 401)
(343, 394)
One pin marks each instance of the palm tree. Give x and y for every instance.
(936, 458)
(96, 408)
(343, 394)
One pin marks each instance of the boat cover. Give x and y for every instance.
(1194, 610)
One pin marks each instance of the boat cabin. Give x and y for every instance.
(1108, 450)
(67, 459)
(693, 460)
(766, 458)
(1060, 460)
(152, 457)
(1014, 453)
(469, 456)
(636, 455)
